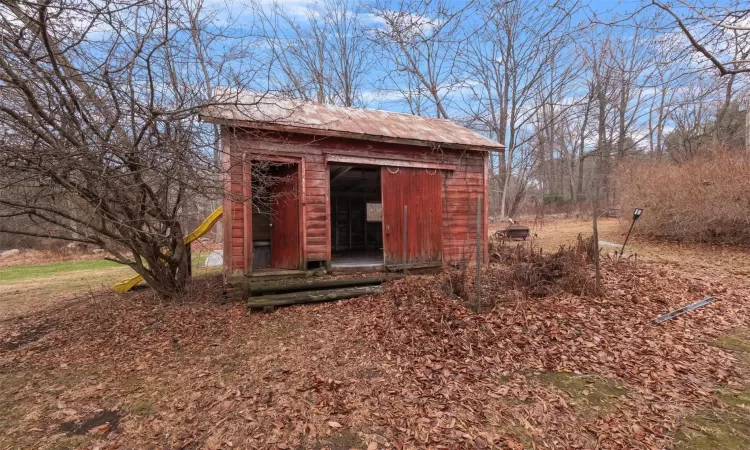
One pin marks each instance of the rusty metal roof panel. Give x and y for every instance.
(362, 122)
(269, 112)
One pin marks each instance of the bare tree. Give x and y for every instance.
(100, 135)
(632, 62)
(709, 27)
(421, 40)
(321, 54)
(350, 50)
(514, 72)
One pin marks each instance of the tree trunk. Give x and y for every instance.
(595, 225)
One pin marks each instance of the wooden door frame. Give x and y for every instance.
(377, 162)
(248, 159)
(382, 211)
(344, 161)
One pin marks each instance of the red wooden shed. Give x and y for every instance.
(312, 185)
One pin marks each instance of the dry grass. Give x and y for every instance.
(22, 297)
(549, 234)
(34, 283)
(64, 254)
(29, 257)
(718, 259)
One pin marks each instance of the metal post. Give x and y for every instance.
(405, 231)
(622, 250)
(478, 287)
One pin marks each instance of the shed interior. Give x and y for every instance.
(356, 216)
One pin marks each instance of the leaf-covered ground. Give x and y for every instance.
(408, 369)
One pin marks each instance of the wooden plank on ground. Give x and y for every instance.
(264, 287)
(416, 265)
(298, 298)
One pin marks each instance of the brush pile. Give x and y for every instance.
(536, 274)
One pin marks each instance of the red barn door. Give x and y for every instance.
(285, 248)
(412, 202)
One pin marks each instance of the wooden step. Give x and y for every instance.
(325, 295)
(279, 286)
(271, 274)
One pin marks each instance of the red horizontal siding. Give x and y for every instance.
(460, 188)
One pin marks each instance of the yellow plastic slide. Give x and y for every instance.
(203, 228)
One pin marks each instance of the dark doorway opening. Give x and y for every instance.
(356, 217)
(275, 215)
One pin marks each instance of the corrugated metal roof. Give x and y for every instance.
(268, 112)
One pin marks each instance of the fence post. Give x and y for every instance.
(189, 252)
(405, 232)
(478, 287)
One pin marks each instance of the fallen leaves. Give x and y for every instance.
(409, 369)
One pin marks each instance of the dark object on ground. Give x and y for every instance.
(296, 298)
(514, 232)
(678, 312)
(101, 423)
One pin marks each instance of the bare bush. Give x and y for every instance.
(536, 274)
(99, 137)
(706, 199)
(457, 280)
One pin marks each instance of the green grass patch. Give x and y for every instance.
(17, 273)
(343, 440)
(590, 396)
(737, 342)
(715, 429)
(142, 407)
(69, 442)
(20, 273)
(728, 426)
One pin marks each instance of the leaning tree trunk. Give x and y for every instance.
(165, 268)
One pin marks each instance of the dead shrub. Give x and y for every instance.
(539, 275)
(706, 199)
(456, 280)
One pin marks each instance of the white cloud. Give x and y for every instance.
(382, 95)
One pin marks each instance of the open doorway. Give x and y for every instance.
(275, 215)
(356, 216)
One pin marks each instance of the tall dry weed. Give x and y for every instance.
(706, 199)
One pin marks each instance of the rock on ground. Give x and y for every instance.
(215, 258)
